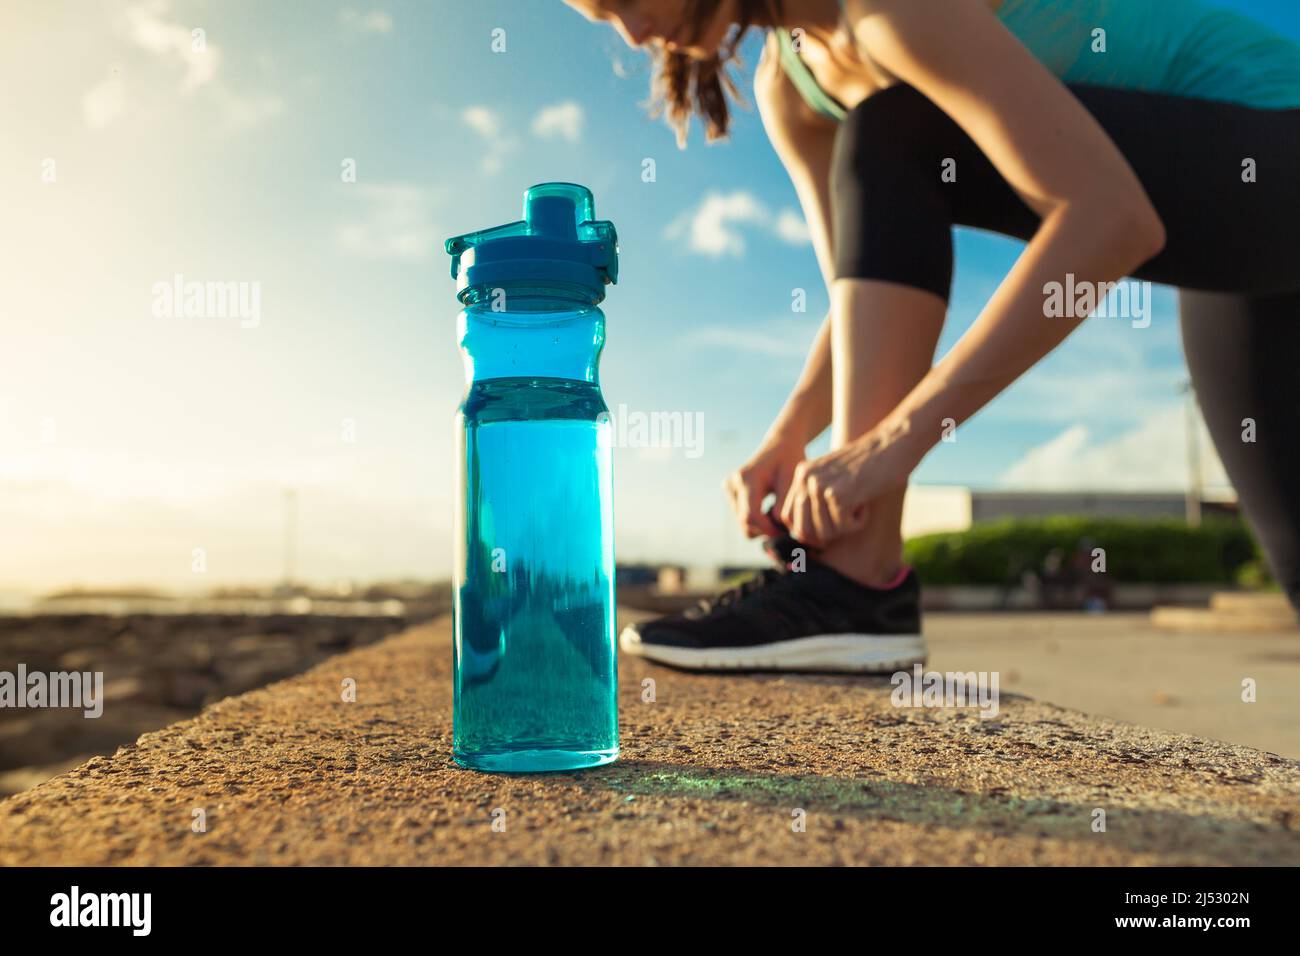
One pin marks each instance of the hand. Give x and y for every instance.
(830, 496)
(769, 471)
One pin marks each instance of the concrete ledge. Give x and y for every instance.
(713, 770)
(1236, 622)
(1233, 611)
(954, 597)
(1251, 601)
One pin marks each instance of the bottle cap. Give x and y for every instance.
(558, 240)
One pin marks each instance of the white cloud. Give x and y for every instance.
(180, 57)
(242, 110)
(1151, 456)
(184, 46)
(104, 102)
(791, 227)
(394, 223)
(563, 120)
(1107, 373)
(482, 121)
(711, 228)
(787, 339)
(488, 125)
(368, 21)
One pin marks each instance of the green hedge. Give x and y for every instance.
(1137, 550)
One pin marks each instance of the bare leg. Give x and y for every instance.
(883, 337)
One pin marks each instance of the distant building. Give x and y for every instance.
(928, 509)
(632, 575)
(987, 505)
(672, 579)
(935, 508)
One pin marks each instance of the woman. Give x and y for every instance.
(1154, 138)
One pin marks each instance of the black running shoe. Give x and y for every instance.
(811, 620)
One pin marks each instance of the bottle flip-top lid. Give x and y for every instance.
(558, 240)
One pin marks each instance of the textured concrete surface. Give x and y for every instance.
(1123, 666)
(714, 770)
(158, 669)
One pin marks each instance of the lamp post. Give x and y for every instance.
(290, 536)
(1193, 494)
(727, 438)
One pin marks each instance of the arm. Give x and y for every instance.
(1097, 222)
(803, 141)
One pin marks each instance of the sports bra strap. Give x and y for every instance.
(818, 99)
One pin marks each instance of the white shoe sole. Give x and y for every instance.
(849, 653)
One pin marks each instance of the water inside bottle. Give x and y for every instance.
(535, 653)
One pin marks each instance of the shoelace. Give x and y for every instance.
(741, 591)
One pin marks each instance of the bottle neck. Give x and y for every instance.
(530, 298)
(532, 332)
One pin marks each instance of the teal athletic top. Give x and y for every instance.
(1180, 47)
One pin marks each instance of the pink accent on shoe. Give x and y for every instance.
(899, 578)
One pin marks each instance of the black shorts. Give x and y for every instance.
(893, 211)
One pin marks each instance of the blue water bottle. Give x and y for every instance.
(534, 667)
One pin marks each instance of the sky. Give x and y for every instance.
(311, 157)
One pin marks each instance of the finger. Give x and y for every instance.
(757, 522)
(735, 497)
(788, 501)
(781, 483)
(843, 519)
(823, 527)
(791, 518)
(808, 533)
(800, 523)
